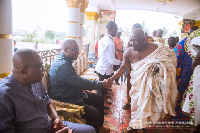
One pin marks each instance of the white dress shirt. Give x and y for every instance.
(106, 54)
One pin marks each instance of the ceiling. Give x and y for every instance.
(185, 8)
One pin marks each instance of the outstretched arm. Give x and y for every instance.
(125, 64)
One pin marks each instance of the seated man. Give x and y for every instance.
(67, 86)
(153, 80)
(25, 106)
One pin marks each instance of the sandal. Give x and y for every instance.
(127, 130)
(131, 130)
(126, 106)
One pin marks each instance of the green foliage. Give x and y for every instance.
(60, 35)
(165, 31)
(41, 41)
(30, 37)
(50, 35)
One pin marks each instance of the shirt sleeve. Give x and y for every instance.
(68, 75)
(6, 114)
(111, 54)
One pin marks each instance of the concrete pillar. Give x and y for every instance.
(76, 18)
(73, 20)
(6, 43)
(83, 6)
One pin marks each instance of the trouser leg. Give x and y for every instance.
(94, 110)
(125, 75)
(79, 128)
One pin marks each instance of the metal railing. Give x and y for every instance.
(48, 56)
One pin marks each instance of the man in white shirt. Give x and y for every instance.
(106, 53)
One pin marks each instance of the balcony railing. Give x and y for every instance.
(48, 56)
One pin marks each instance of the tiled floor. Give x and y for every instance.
(118, 119)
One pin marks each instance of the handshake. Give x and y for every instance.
(107, 83)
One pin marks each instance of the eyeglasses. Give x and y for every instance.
(41, 67)
(74, 49)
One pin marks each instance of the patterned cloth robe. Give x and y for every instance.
(190, 103)
(183, 75)
(153, 93)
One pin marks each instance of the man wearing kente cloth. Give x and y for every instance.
(153, 80)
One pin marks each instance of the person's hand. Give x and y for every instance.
(87, 91)
(107, 83)
(57, 122)
(64, 130)
(58, 127)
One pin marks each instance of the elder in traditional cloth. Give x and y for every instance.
(153, 80)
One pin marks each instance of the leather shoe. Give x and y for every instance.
(106, 107)
(117, 82)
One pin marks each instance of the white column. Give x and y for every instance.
(6, 46)
(83, 6)
(73, 20)
(81, 30)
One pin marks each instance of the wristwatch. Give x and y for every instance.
(55, 117)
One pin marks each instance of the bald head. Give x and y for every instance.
(139, 33)
(138, 40)
(68, 43)
(71, 49)
(23, 57)
(27, 67)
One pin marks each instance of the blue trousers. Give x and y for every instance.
(79, 128)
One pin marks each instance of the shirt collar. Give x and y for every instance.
(110, 36)
(65, 57)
